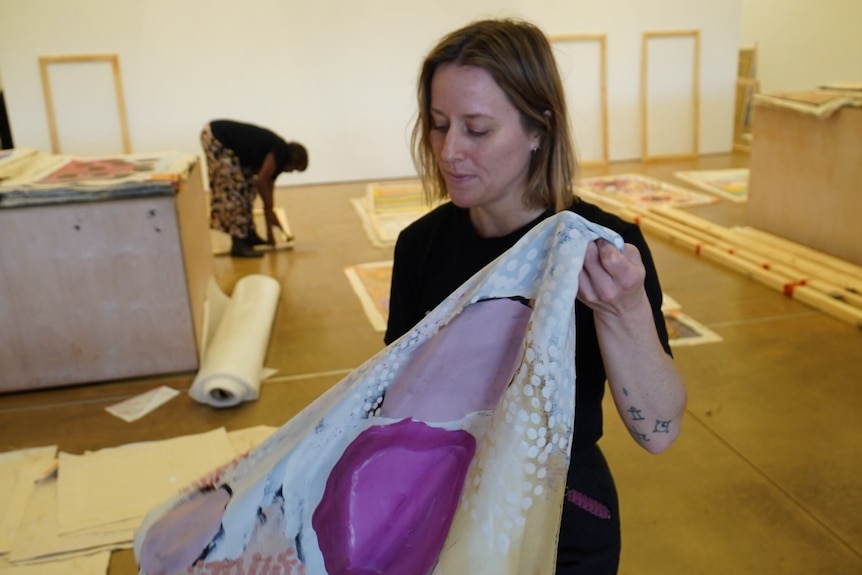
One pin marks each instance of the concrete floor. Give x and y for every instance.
(763, 480)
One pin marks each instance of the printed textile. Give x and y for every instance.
(446, 451)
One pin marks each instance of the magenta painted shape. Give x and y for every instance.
(391, 498)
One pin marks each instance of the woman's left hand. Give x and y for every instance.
(647, 389)
(611, 281)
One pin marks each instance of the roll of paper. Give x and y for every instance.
(232, 366)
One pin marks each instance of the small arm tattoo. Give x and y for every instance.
(637, 435)
(661, 426)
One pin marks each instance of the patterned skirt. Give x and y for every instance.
(232, 186)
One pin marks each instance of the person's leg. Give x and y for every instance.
(213, 151)
(231, 195)
(241, 194)
(589, 541)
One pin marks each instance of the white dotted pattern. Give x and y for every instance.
(523, 446)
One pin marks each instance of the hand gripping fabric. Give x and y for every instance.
(445, 453)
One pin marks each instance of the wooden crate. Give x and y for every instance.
(104, 290)
(806, 178)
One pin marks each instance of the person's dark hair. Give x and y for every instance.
(519, 58)
(297, 156)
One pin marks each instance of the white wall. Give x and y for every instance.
(337, 75)
(803, 44)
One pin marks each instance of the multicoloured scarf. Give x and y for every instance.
(447, 450)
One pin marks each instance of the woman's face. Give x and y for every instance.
(478, 138)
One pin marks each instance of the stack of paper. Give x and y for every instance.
(63, 513)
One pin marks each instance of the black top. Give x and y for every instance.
(440, 251)
(251, 144)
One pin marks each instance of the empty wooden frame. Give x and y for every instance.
(747, 85)
(603, 86)
(113, 60)
(695, 90)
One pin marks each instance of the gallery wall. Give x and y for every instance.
(337, 75)
(803, 44)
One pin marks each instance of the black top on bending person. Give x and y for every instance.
(244, 160)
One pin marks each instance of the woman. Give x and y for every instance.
(492, 136)
(242, 160)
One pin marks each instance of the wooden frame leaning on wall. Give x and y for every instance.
(603, 87)
(695, 92)
(113, 60)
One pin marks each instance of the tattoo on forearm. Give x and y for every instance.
(636, 414)
(661, 426)
(638, 435)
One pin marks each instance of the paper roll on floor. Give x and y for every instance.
(232, 365)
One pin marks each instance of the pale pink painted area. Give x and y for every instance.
(390, 499)
(178, 538)
(463, 368)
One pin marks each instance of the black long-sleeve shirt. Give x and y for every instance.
(441, 250)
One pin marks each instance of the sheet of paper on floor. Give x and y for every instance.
(243, 440)
(33, 534)
(136, 407)
(116, 484)
(38, 539)
(93, 564)
(18, 472)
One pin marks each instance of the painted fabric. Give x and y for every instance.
(232, 186)
(446, 451)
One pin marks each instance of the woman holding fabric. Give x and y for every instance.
(244, 160)
(492, 136)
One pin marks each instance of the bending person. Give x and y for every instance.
(244, 160)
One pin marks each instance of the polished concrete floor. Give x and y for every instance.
(765, 478)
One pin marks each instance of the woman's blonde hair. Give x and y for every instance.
(519, 58)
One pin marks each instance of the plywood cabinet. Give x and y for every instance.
(103, 289)
(806, 178)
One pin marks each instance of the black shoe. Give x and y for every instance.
(255, 240)
(243, 249)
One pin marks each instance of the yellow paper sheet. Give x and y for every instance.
(94, 564)
(18, 472)
(38, 539)
(125, 482)
(243, 440)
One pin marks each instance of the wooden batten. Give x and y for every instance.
(719, 245)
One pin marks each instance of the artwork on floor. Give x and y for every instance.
(730, 184)
(371, 283)
(385, 460)
(682, 329)
(639, 190)
(387, 208)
